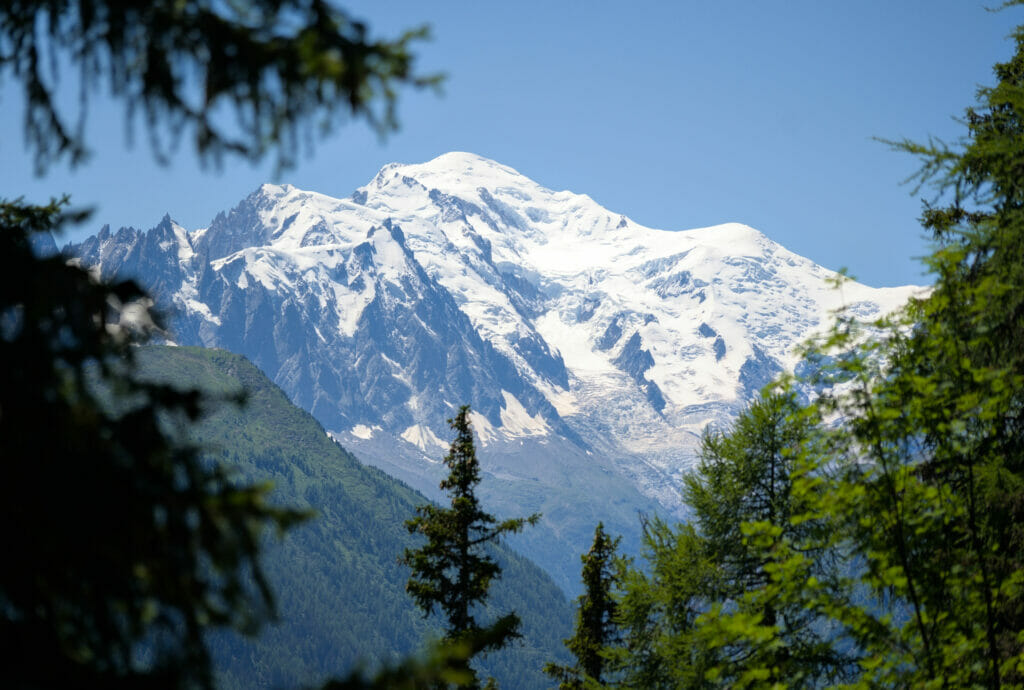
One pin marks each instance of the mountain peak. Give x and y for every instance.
(593, 350)
(461, 280)
(460, 162)
(461, 158)
(455, 172)
(269, 190)
(734, 238)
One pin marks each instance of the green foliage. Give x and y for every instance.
(185, 67)
(752, 524)
(726, 599)
(932, 493)
(658, 609)
(339, 587)
(122, 545)
(452, 571)
(596, 610)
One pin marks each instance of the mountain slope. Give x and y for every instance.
(339, 587)
(593, 350)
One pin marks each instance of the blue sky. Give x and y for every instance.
(677, 114)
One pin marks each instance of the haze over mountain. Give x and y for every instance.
(593, 350)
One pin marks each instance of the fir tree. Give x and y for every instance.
(453, 570)
(595, 616)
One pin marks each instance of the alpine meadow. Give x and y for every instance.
(452, 427)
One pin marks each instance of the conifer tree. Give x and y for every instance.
(595, 616)
(711, 611)
(121, 543)
(932, 495)
(284, 68)
(744, 509)
(453, 571)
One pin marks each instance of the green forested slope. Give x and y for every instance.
(339, 587)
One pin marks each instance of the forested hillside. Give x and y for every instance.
(338, 583)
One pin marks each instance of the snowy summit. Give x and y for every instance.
(593, 350)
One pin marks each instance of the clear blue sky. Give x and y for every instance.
(677, 114)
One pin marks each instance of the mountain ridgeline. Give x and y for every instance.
(339, 586)
(593, 350)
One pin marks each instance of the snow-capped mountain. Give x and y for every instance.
(592, 349)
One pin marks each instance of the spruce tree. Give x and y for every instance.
(595, 616)
(453, 570)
